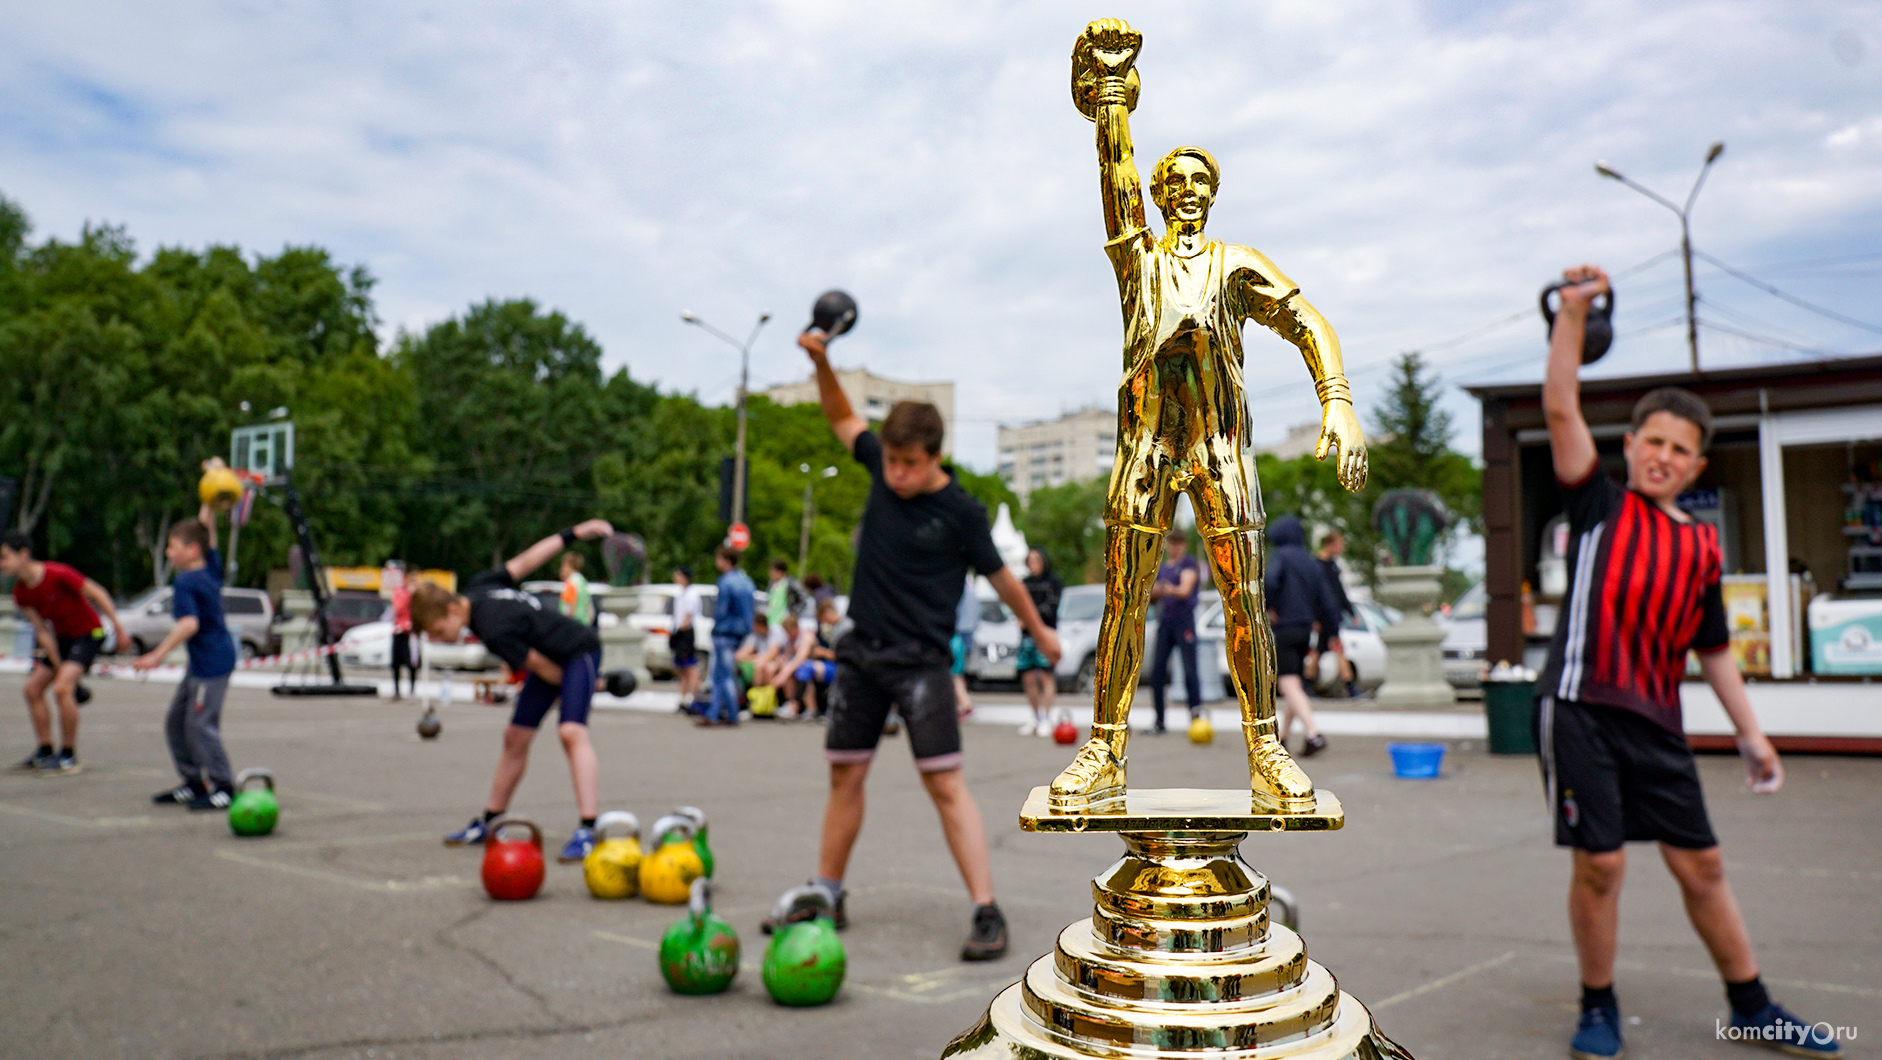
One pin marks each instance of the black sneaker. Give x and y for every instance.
(63, 764)
(32, 763)
(181, 795)
(987, 939)
(839, 915)
(1314, 745)
(218, 799)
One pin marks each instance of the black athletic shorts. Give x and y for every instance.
(872, 679)
(81, 650)
(1291, 645)
(1612, 777)
(680, 641)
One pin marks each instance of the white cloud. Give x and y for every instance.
(1418, 169)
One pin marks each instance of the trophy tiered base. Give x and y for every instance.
(1179, 958)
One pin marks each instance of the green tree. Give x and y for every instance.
(511, 414)
(1413, 447)
(1067, 522)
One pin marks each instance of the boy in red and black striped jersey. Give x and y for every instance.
(1643, 591)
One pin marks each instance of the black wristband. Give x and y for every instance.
(568, 537)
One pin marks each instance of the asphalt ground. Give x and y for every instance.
(131, 930)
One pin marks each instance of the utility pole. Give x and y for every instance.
(1685, 238)
(744, 381)
(810, 512)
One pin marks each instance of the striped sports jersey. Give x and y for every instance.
(1643, 590)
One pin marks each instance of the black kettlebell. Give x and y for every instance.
(621, 683)
(834, 313)
(429, 724)
(1600, 329)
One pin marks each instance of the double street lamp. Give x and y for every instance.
(744, 377)
(1685, 236)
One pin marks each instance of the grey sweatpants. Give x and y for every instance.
(194, 729)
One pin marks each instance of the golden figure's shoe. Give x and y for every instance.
(1094, 780)
(1273, 774)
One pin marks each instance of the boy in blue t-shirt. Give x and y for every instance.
(194, 724)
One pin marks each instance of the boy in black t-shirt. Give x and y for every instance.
(557, 652)
(1644, 589)
(920, 534)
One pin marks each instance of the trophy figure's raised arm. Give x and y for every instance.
(1183, 428)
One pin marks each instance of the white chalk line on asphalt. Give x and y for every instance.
(918, 988)
(1444, 981)
(76, 821)
(1437, 725)
(426, 883)
(1461, 725)
(1711, 973)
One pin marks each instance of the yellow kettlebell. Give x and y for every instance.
(1200, 731)
(612, 868)
(667, 874)
(220, 488)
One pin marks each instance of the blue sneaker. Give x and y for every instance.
(470, 835)
(33, 763)
(1598, 1035)
(1786, 1033)
(578, 846)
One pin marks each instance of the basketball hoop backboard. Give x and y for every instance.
(266, 449)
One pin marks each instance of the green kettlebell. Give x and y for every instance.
(254, 811)
(699, 954)
(805, 962)
(698, 817)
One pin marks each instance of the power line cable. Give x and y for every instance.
(1791, 298)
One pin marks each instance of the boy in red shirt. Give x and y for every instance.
(1644, 589)
(63, 607)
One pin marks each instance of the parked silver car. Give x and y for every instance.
(249, 613)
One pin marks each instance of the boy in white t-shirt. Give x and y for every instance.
(686, 612)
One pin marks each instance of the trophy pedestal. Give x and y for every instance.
(1179, 957)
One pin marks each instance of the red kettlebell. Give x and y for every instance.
(1065, 731)
(513, 868)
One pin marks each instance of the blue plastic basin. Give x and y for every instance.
(1416, 761)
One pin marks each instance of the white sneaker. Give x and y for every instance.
(1044, 728)
(1026, 728)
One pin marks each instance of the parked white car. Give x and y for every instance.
(1466, 640)
(1359, 638)
(654, 617)
(371, 645)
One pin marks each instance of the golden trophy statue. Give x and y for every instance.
(1179, 957)
(1182, 427)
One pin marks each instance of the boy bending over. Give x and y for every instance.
(556, 652)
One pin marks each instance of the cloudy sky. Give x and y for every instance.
(1420, 169)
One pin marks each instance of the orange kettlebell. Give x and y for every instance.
(513, 868)
(1065, 731)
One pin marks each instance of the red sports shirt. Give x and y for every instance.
(59, 601)
(1643, 591)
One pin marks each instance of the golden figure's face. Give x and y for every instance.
(1186, 191)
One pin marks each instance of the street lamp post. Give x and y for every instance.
(744, 379)
(1685, 237)
(810, 511)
